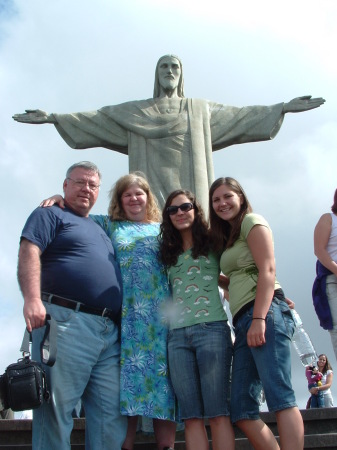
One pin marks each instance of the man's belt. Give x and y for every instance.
(77, 306)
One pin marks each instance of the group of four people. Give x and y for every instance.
(174, 336)
(170, 138)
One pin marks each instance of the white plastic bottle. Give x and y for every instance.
(302, 342)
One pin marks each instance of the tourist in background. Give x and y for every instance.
(325, 368)
(325, 285)
(314, 379)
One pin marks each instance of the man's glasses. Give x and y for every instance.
(83, 183)
(184, 207)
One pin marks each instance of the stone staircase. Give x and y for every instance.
(320, 427)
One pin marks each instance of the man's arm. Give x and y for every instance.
(35, 116)
(29, 276)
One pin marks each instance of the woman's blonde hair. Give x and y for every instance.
(116, 211)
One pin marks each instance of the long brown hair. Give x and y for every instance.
(327, 365)
(223, 234)
(334, 206)
(170, 241)
(116, 211)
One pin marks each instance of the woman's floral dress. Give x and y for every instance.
(146, 388)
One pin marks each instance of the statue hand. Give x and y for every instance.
(300, 104)
(35, 116)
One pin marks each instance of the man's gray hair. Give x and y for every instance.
(87, 165)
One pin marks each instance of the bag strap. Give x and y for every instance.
(25, 342)
(48, 344)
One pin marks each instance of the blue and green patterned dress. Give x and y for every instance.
(146, 388)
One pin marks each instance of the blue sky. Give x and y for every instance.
(79, 55)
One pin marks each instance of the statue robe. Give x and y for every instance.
(172, 148)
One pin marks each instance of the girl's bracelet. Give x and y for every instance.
(258, 318)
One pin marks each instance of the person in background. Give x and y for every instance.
(67, 268)
(325, 285)
(314, 377)
(326, 370)
(132, 225)
(262, 319)
(199, 342)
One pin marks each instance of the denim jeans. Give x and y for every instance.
(331, 292)
(87, 367)
(317, 400)
(268, 366)
(200, 359)
(328, 400)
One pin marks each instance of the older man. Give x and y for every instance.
(168, 137)
(67, 268)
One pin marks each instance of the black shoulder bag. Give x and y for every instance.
(23, 385)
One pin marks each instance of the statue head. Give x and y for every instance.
(157, 85)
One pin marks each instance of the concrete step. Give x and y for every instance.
(320, 427)
(318, 441)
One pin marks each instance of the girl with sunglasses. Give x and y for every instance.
(199, 339)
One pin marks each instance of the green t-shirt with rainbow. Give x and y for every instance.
(196, 297)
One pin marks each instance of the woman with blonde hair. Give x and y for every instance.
(133, 226)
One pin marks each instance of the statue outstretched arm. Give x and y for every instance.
(35, 116)
(300, 104)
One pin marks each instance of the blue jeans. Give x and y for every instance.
(331, 292)
(268, 366)
(200, 359)
(317, 401)
(87, 367)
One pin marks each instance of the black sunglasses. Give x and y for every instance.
(184, 207)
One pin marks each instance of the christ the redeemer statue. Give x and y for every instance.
(170, 138)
